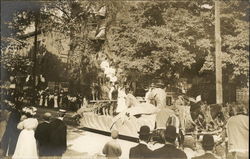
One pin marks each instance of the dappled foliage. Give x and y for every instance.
(164, 39)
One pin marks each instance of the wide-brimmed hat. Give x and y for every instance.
(208, 140)
(171, 132)
(29, 110)
(144, 130)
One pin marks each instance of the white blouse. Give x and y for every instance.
(28, 124)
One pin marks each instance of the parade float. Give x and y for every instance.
(99, 116)
(128, 113)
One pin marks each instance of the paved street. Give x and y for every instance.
(84, 144)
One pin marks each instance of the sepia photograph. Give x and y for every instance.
(124, 79)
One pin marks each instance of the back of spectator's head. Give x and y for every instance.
(114, 134)
(170, 134)
(208, 142)
(144, 133)
(47, 116)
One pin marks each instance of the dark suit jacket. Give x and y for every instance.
(206, 156)
(11, 133)
(140, 151)
(169, 151)
(42, 135)
(58, 137)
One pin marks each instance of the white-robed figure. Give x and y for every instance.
(121, 101)
(158, 95)
(26, 147)
(41, 98)
(55, 101)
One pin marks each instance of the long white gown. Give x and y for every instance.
(26, 147)
(121, 104)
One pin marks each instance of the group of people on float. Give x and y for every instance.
(25, 137)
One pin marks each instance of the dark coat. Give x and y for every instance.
(140, 151)
(206, 156)
(169, 151)
(42, 135)
(11, 133)
(58, 137)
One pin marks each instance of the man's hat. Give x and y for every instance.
(144, 130)
(171, 132)
(208, 140)
(62, 111)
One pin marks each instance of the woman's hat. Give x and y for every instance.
(144, 130)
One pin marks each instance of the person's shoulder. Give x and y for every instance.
(206, 156)
(43, 123)
(112, 144)
(136, 147)
(30, 119)
(55, 121)
(180, 152)
(161, 149)
(197, 157)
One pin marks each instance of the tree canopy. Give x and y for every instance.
(167, 39)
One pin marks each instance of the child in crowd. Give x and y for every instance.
(112, 149)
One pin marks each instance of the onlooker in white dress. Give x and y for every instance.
(26, 147)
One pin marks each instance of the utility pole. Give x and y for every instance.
(34, 58)
(218, 65)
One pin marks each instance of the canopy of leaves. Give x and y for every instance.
(173, 39)
(160, 38)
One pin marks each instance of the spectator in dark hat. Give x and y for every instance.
(208, 146)
(112, 149)
(141, 150)
(42, 135)
(169, 150)
(58, 135)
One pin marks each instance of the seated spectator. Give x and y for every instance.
(208, 146)
(112, 149)
(141, 150)
(169, 150)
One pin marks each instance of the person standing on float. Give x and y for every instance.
(121, 101)
(158, 94)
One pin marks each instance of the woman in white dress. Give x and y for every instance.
(26, 147)
(121, 102)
